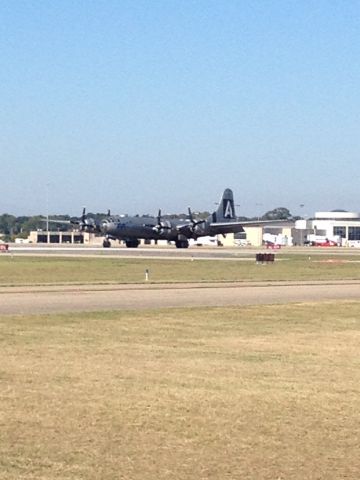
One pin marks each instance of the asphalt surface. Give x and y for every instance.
(204, 252)
(58, 299)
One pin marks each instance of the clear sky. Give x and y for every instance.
(135, 104)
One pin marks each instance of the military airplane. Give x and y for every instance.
(131, 229)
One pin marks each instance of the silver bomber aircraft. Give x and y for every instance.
(131, 229)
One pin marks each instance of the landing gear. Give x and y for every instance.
(106, 243)
(182, 244)
(132, 243)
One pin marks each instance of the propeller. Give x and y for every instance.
(160, 227)
(85, 224)
(194, 223)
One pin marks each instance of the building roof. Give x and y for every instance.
(337, 215)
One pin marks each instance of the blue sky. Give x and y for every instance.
(136, 105)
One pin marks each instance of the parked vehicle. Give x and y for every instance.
(322, 241)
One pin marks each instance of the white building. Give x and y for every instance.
(335, 224)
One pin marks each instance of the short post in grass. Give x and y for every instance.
(147, 275)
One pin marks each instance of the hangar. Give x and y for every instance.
(284, 234)
(70, 237)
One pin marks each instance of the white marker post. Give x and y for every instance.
(147, 275)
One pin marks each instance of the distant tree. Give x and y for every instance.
(12, 226)
(7, 223)
(279, 213)
(32, 223)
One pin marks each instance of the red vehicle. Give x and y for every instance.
(322, 241)
(4, 247)
(326, 243)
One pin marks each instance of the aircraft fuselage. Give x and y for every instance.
(124, 228)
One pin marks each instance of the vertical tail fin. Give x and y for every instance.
(226, 209)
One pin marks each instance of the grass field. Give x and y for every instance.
(253, 393)
(51, 270)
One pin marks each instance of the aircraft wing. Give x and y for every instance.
(235, 227)
(51, 220)
(255, 223)
(225, 227)
(184, 227)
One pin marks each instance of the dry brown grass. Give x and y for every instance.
(254, 393)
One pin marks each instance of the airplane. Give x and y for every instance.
(131, 229)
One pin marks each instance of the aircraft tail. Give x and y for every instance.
(226, 208)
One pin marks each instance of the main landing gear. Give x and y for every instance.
(132, 243)
(181, 244)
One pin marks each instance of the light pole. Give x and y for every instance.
(47, 213)
(258, 209)
(301, 231)
(47, 207)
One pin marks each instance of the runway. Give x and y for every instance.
(61, 299)
(195, 252)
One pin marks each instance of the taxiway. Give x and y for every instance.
(57, 299)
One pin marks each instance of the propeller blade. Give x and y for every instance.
(85, 224)
(194, 223)
(160, 226)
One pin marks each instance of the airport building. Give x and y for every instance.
(282, 234)
(71, 237)
(340, 226)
